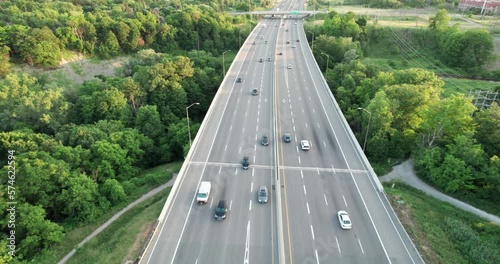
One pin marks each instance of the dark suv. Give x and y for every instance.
(245, 163)
(264, 141)
(221, 210)
(287, 137)
(238, 80)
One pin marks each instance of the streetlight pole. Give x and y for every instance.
(187, 116)
(312, 39)
(327, 60)
(368, 127)
(224, 64)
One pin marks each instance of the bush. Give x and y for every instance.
(470, 244)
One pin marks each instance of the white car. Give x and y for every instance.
(289, 66)
(304, 144)
(344, 220)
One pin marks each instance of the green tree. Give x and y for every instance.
(109, 104)
(77, 197)
(149, 123)
(113, 191)
(4, 61)
(441, 21)
(453, 175)
(445, 119)
(110, 161)
(488, 129)
(26, 104)
(33, 231)
(41, 48)
(109, 46)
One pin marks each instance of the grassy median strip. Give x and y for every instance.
(442, 232)
(123, 240)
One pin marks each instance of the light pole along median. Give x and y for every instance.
(224, 64)
(327, 60)
(368, 127)
(312, 48)
(187, 116)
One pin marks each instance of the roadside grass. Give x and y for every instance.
(123, 240)
(435, 227)
(75, 234)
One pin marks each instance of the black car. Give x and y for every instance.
(288, 42)
(281, 53)
(268, 59)
(238, 80)
(298, 40)
(255, 91)
(245, 163)
(261, 60)
(264, 141)
(221, 210)
(287, 137)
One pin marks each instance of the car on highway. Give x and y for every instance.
(344, 220)
(295, 23)
(304, 145)
(287, 138)
(245, 163)
(289, 66)
(221, 210)
(264, 141)
(268, 58)
(261, 36)
(261, 60)
(255, 91)
(238, 80)
(293, 46)
(288, 42)
(281, 53)
(286, 30)
(262, 196)
(265, 41)
(298, 40)
(253, 43)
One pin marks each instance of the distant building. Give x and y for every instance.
(486, 6)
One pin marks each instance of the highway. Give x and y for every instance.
(314, 184)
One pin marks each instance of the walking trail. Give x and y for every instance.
(117, 215)
(405, 173)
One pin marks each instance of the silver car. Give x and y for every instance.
(262, 196)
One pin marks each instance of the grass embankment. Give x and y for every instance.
(75, 234)
(442, 232)
(123, 240)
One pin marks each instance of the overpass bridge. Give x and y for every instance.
(280, 14)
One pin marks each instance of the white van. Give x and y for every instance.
(204, 192)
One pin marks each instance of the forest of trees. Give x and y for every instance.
(455, 147)
(39, 32)
(80, 148)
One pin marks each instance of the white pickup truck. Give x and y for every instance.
(204, 192)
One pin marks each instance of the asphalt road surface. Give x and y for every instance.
(315, 184)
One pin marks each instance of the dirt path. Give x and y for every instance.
(117, 215)
(405, 173)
